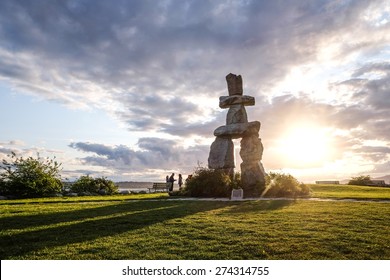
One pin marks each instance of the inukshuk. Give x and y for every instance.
(237, 126)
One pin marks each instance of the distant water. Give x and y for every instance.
(134, 186)
(138, 186)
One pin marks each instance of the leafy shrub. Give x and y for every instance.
(284, 185)
(3, 187)
(363, 180)
(235, 183)
(89, 185)
(176, 193)
(209, 183)
(30, 177)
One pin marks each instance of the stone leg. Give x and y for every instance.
(251, 148)
(252, 171)
(221, 154)
(252, 179)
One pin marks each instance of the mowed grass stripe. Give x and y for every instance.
(350, 192)
(66, 219)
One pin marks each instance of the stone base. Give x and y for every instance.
(252, 179)
(237, 194)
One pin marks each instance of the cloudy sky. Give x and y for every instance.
(130, 89)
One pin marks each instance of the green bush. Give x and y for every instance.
(89, 185)
(363, 180)
(208, 183)
(30, 177)
(235, 183)
(284, 185)
(216, 183)
(3, 187)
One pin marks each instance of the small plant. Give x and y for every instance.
(284, 185)
(91, 186)
(30, 177)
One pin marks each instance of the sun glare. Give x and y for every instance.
(304, 146)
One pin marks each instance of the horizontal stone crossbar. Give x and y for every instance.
(227, 101)
(238, 130)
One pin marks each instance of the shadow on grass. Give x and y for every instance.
(59, 229)
(43, 219)
(87, 199)
(92, 223)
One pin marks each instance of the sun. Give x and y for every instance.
(304, 146)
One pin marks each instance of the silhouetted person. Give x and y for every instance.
(171, 180)
(180, 182)
(168, 184)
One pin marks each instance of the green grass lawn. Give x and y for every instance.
(350, 192)
(130, 227)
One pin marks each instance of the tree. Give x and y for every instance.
(30, 177)
(362, 180)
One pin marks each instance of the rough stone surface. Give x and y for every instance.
(238, 130)
(251, 149)
(236, 114)
(234, 84)
(221, 154)
(252, 171)
(227, 101)
(252, 179)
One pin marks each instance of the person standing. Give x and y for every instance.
(180, 181)
(171, 180)
(168, 184)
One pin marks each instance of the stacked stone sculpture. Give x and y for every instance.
(237, 126)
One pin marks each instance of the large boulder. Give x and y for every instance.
(238, 130)
(252, 179)
(251, 149)
(252, 171)
(227, 101)
(221, 154)
(236, 114)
